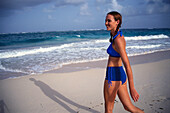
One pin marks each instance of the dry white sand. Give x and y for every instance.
(82, 91)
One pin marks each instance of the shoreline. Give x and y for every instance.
(138, 59)
(73, 67)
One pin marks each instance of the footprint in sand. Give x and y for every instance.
(159, 100)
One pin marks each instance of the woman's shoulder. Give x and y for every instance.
(120, 43)
(120, 39)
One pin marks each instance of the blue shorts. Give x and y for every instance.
(115, 74)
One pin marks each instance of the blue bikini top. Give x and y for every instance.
(110, 49)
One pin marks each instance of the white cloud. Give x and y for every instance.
(100, 1)
(20, 4)
(108, 5)
(157, 6)
(84, 9)
(74, 1)
(134, 7)
(50, 17)
(146, 7)
(115, 6)
(69, 2)
(47, 10)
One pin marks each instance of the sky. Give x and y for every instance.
(65, 15)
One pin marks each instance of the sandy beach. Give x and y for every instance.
(78, 88)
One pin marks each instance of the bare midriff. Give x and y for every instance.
(114, 62)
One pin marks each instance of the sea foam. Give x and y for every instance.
(148, 37)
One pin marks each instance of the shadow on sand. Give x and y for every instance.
(57, 97)
(3, 106)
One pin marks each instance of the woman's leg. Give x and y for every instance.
(110, 94)
(125, 99)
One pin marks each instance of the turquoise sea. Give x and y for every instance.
(37, 52)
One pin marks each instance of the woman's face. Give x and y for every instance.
(110, 23)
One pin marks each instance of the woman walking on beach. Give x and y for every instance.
(115, 81)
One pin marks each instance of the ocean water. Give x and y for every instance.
(38, 52)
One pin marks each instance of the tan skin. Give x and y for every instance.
(117, 87)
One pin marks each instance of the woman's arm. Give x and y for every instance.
(120, 45)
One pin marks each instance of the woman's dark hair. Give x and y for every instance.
(117, 16)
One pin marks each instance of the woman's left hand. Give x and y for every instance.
(134, 94)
